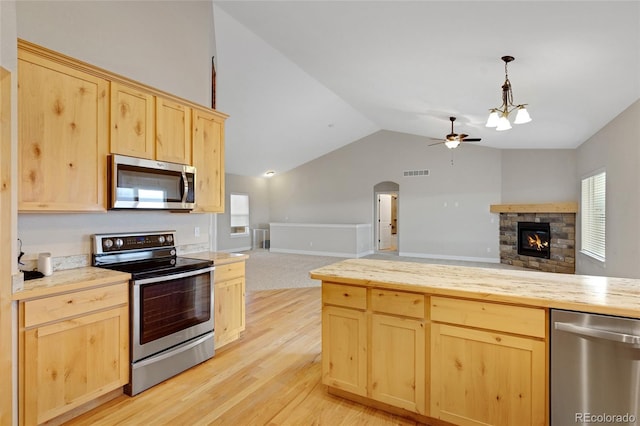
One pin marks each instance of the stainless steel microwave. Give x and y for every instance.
(138, 183)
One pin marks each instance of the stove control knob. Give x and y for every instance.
(169, 238)
(173, 252)
(119, 242)
(161, 239)
(107, 243)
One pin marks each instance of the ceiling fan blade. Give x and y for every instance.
(435, 139)
(437, 143)
(471, 140)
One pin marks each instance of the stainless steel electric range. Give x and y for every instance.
(170, 304)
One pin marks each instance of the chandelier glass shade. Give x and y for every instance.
(499, 117)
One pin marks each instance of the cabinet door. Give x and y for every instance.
(72, 362)
(62, 132)
(208, 158)
(344, 349)
(173, 132)
(229, 319)
(132, 122)
(486, 378)
(398, 362)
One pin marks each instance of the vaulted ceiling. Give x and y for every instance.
(302, 78)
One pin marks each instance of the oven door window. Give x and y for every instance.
(170, 306)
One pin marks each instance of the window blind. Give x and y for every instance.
(594, 215)
(239, 210)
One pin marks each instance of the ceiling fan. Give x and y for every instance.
(452, 140)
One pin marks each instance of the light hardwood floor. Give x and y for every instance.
(271, 376)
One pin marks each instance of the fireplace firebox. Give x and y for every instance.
(534, 239)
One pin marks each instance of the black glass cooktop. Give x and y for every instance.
(150, 268)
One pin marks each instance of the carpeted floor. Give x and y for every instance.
(266, 270)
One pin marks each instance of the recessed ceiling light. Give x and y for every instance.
(269, 173)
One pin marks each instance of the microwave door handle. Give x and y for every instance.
(185, 187)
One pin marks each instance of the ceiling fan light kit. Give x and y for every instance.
(499, 117)
(452, 140)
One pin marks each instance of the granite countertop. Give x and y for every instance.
(74, 279)
(218, 257)
(69, 280)
(605, 295)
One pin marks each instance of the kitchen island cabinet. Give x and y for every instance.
(485, 357)
(73, 342)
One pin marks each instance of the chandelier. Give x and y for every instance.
(499, 117)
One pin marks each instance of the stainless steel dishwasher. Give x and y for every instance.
(594, 370)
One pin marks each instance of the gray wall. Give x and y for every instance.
(616, 149)
(445, 214)
(165, 44)
(538, 176)
(258, 191)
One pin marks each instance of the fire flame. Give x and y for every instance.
(535, 241)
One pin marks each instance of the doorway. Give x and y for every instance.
(386, 197)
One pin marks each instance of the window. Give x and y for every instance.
(593, 215)
(239, 212)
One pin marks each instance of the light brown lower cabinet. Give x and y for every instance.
(488, 375)
(460, 361)
(344, 349)
(73, 349)
(398, 343)
(229, 302)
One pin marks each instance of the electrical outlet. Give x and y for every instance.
(196, 231)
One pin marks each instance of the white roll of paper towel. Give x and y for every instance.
(44, 264)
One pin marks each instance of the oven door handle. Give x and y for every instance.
(174, 351)
(174, 276)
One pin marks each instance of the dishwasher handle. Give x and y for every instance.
(628, 339)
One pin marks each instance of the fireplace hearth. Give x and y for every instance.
(534, 239)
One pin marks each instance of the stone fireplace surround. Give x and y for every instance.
(562, 220)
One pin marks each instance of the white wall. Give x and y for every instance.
(164, 44)
(616, 149)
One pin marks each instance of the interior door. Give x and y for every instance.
(384, 221)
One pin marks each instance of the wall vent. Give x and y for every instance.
(415, 173)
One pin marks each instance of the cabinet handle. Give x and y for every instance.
(629, 339)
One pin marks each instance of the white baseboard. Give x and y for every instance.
(445, 257)
(235, 249)
(321, 253)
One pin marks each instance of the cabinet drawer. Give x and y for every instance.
(491, 316)
(398, 303)
(54, 308)
(228, 271)
(344, 295)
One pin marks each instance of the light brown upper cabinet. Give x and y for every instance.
(132, 122)
(208, 158)
(63, 136)
(173, 131)
(71, 115)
